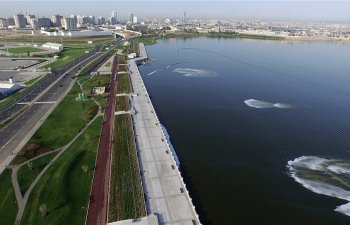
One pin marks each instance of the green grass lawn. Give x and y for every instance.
(122, 103)
(65, 187)
(96, 81)
(108, 64)
(8, 204)
(28, 172)
(126, 195)
(21, 50)
(122, 68)
(124, 85)
(60, 127)
(65, 121)
(67, 55)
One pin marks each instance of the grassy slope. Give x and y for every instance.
(65, 187)
(122, 103)
(65, 121)
(25, 50)
(61, 126)
(126, 196)
(124, 83)
(66, 56)
(27, 173)
(8, 204)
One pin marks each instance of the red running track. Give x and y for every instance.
(98, 206)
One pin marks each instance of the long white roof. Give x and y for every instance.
(7, 86)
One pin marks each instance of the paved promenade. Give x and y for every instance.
(165, 191)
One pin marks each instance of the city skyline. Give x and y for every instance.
(293, 10)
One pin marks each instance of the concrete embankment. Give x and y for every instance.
(165, 190)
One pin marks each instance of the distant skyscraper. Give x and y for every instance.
(4, 23)
(184, 18)
(56, 20)
(75, 18)
(114, 18)
(134, 19)
(20, 21)
(68, 24)
(130, 17)
(101, 20)
(29, 18)
(44, 22)
(35, 24)
(92, 20)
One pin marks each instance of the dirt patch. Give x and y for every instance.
(29, 151)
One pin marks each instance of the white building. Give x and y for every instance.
(7, 89)
(134, 19)
(53, 46)
(69, 23)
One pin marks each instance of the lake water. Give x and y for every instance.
(262, 128)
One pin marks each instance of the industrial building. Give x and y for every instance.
(53, 46)
(7, 89)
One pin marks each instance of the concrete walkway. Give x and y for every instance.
(149, 220)
(165, 191)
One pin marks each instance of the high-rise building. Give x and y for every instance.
(29, 18)
(130, 17)
(75, 17)
(184, 17)
(20, 21)
(44, 22)
(68, 24)
(11, 21)
(92, 20)
(4, 23)
(56, 20)
(34, 23)
(134, 19)
(101, 20)
(114, 18)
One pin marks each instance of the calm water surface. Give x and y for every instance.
(247, 159)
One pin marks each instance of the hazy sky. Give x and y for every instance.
(291, 10)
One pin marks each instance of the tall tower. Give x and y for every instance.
(20, 21)
(114, 18)
(131, 17)
(184, 18)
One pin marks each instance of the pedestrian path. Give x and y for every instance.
(165, 191)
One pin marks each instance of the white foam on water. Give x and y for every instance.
(263, 105)
(283, 105)
(338, 169)
(153, 72)
(258, 104)
(321, 176)
(345, 209)
(191, 72)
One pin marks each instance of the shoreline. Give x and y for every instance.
(166, 193)
(153, 39)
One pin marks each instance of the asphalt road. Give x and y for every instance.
(14, 107)
(15, 135)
